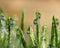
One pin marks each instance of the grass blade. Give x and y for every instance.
(31, 33)
(22, 20)
(37, 23)
(24, 43)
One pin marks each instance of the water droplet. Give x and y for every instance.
(11, 19)
(39, 17)
(57, 23)
(35, 22)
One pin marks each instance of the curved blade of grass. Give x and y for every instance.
(24, 43)
(8, 23)
(37, 23)
(31, 33)
(54, 34)
(44, 39)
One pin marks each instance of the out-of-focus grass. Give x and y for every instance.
(12, 36)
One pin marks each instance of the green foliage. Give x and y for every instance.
(22, 20)
(12, 36)
(32, 37)
(54, 33)
(37, 23)
(44, 39)
(23, 39)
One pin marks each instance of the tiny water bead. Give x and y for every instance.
(35, 22)
(10, 31)
(38, 15)
(57, 21)
(11, 19)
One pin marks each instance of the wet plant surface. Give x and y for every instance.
(13, 36)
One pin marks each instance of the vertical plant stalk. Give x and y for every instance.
(22, 21)
(24, 43)
(37, 23)
(8, 23)
(30, 30)
(1, 12)
(0, 24)
(0, 28)
(44, 40)
(54, 34)
(2, 19)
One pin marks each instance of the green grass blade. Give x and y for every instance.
(22, 20)
(24, 43)
(44, 39)
(32, 36)
(37, 23)
(54, 34)
(8, 23)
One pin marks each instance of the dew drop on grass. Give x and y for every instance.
(35, 22)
